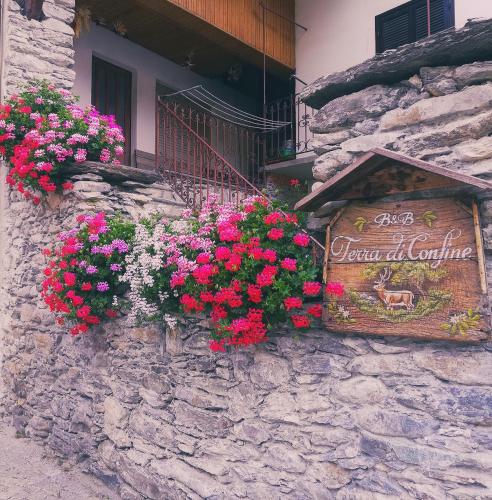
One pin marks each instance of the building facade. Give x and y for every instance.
(151, 411)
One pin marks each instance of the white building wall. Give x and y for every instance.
(147, 69)
(341, 33)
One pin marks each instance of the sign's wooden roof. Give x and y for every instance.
(381, 173)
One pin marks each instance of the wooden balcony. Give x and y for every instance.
(218, 32)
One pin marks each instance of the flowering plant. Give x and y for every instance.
(81, 281)
(43, 129)
(247, 268)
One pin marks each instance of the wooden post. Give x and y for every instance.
(327, 253)
(479, 243)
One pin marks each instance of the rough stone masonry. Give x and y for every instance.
(317, 416)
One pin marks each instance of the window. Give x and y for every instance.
(409, 22)
(112, 95)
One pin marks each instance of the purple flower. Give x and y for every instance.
(115, 267)
(106, 250)
(95, 250)
(93, 237)
(83, 263)
(102, 286)
(91, 269)
(119, 245)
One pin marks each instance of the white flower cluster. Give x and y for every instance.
(170, 321)
(145, 259)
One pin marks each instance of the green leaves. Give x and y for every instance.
(359, 223)
(462, 323)
(428, 218)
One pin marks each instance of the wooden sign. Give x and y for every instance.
(407, 247)
(409, 268)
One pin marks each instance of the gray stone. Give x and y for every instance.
(468, 101)
(92, 186)
(353, 493)
(438, 81)
(378, 482)
(57, 26)
(469, 368)
(200, 398)
(283, 458)
(148, 425)
(453, 133)
(280, 407)
(471, 74)
(252, 431)
(392, 423)
(142, 480)
(329, 164)
(313, 364)
(451, 47)
(331, 476)
(480, 149)
(199, 482)
(330, 139)
(361, 390)
(471, 405)
(350, 109)
(388, 364)
(364, 143)
(269, 371)
(201, 421)
(366, 127)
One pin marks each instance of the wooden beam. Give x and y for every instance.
(480, 252)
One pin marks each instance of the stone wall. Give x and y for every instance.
(442, 114)
(38, 49)
(314, 416)
(156, 415)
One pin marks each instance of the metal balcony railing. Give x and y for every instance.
(196, 153)
(285, 143)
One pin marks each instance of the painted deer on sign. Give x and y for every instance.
(392, 298)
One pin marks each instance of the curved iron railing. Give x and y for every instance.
(188, 156)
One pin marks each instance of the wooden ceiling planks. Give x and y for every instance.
(219, 32)
(243, 19)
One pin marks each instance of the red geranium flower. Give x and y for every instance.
(289, 264)
(315, 310)
(69, 278)
(335, 288)
(254, 294)
(311, 288)
(301, 239)
(292, 303)
(300, 321)
(275, 233)
(222, 253)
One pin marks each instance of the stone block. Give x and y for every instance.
(360, 389)
(470, 405)
(284, 458)
(472, 74)
(269, 371)
(364, 143)
(480, 149)
(350, 109)
(393, 423)
(329, 164)
(252, 431)
(91, 186)
(200, 483)
(201, 421)
(474, 368)
(468, 101)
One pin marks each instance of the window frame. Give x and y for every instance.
(449, 20)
